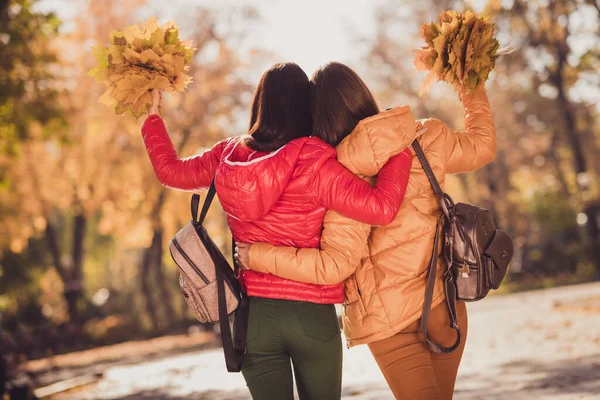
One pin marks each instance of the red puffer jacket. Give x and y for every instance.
(280, 197)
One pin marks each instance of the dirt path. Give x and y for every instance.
(536, 345)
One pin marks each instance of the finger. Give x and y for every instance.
(156, 96)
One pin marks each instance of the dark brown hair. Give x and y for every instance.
(339, 100)
(280, 108)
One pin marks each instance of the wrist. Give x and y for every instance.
(254, 253)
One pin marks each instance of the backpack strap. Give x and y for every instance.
(212, 191)
(233, 348)
(448, 282)
(445, 201)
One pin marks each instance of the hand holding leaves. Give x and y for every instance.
(139, 59)
(461, 50)
(156, 107)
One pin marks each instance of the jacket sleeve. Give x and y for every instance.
(340, 190)
(190, 173)
(476, 145)
(376, 139)
(343, 244)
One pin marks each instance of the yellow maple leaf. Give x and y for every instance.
(148, 55)
(132, 32)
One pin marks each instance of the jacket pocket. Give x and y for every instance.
(350, 290)
(319, 321)
(353, 295)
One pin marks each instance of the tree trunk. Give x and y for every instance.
(54, 249)
(152, 259)
(555, 159)
(145, 271)
(161, 279)
(74, 287)
(71, 277)
(573, 136)
(153, 266)
(3, 13)
(69, 292)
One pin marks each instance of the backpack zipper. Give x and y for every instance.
(178, 247)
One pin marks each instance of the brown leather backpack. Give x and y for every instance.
(476, 254)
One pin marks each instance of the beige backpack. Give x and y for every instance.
(208, 283)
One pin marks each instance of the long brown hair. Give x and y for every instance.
(339, 100)
(280, 108)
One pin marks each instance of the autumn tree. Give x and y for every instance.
(29, 111)
(560, 65)
(208, 112)
(59, 181)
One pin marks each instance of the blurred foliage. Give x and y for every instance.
(27, 92)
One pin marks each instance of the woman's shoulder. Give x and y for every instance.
(435, 127)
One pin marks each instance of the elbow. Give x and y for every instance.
(334, 279)
(390, 213)
(492, 154)
(170, 177)
(341, 273)
(489, 154)
(163, 176)
(386, 217)
(331, 280)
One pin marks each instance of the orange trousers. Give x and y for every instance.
(412, 371)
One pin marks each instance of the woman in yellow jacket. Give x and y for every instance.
(385, 267)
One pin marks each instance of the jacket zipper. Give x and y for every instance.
(178, 247)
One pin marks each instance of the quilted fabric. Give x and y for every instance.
(280, 197)
(385, 267)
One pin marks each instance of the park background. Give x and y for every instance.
(85, 223)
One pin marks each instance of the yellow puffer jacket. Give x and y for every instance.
(385, 267)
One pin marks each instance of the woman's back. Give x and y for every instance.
(399, 253)
(268, 197)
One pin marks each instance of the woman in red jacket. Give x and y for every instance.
(275, 184)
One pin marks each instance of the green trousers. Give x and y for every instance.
(285, 336)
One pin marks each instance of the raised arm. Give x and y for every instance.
(191, 173)
(476, 145)
(343, 244)
(338, 189)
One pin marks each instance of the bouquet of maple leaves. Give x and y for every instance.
(139, 59)
(461, 50)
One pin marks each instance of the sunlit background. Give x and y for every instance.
(85, 224)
